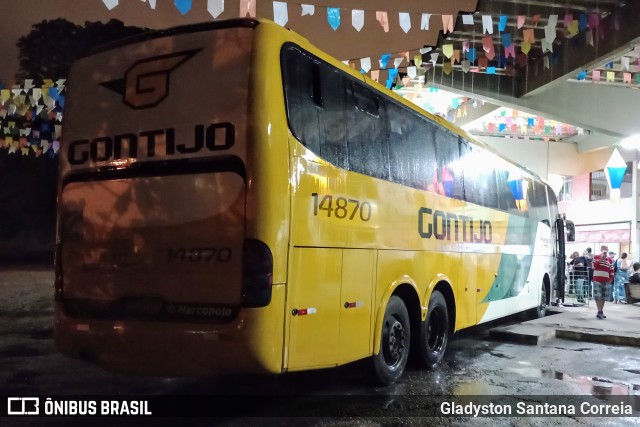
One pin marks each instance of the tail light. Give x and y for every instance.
(257, 274)
(58, 272)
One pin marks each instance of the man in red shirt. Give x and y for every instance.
(602, 278)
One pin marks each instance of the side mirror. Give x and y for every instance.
(571, 231)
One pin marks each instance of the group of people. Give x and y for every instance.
(602, 276)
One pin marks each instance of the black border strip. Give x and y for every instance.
(224, 163)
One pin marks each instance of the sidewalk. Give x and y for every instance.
(621, 327)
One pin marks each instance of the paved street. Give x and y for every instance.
(475, 365)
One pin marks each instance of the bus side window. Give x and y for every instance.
(480, 185)
(367, 134)
(332, 122)
(301, 98)
(410, 149)
(448, 170)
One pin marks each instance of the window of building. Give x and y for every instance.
(566, 192)
(599, 187)
(600, 184)
(625, 188)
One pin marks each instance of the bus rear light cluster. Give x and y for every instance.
(257, 274)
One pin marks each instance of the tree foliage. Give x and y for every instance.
(52, 46)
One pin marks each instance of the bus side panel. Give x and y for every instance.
(356, 299)
(314, 307)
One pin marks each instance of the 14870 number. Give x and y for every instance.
(340, 207)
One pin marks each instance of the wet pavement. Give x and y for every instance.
(579, 322)
(477, 366)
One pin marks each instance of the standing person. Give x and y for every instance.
(602, 278)
(620, 276)
(580, 274)
(588, 255)
(614, 261)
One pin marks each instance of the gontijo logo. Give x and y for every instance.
(146, 82)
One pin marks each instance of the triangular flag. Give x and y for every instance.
(365, 65)
(384, 60)
(215, 7)
(595, 75)
(397, 62)
(487, 24)
(110, 3)
(510, 51)
(502, 23)
(467, 19)
(506, 39)
(471, 54)
(417, 60)
(405, 21)
(424, 22)
(521, 19)
(308, 9)
(626, 77)
(625, 62)
(333, 17)
(611, 76)
(549, 33)
(447, 50)
(447, 67)
(447, 23)
(357, 19)
(247, 7)
(572, 29)
(525, 46)
(456, 55)
(183, 6)
(528, 35)
(383, 19)
(411, 72)
(589, 37)
(280, 13)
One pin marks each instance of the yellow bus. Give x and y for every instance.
(232, 199)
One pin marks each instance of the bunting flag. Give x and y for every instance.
(383, 19)
(280, 13)
(30, 116)
(357, 19)
(333, 16)
(110, 3)
(215, 7)
(183, 6)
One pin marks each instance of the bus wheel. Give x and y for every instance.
(541, 311)
(392, 358)
(434, 333)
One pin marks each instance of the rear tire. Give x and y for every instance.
(541, 310)
(389, 363)
(434, 331)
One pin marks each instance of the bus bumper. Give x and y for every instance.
(248, 344)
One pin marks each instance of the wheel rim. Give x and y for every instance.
(394, 345)
(437, 330)
(543, 300)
